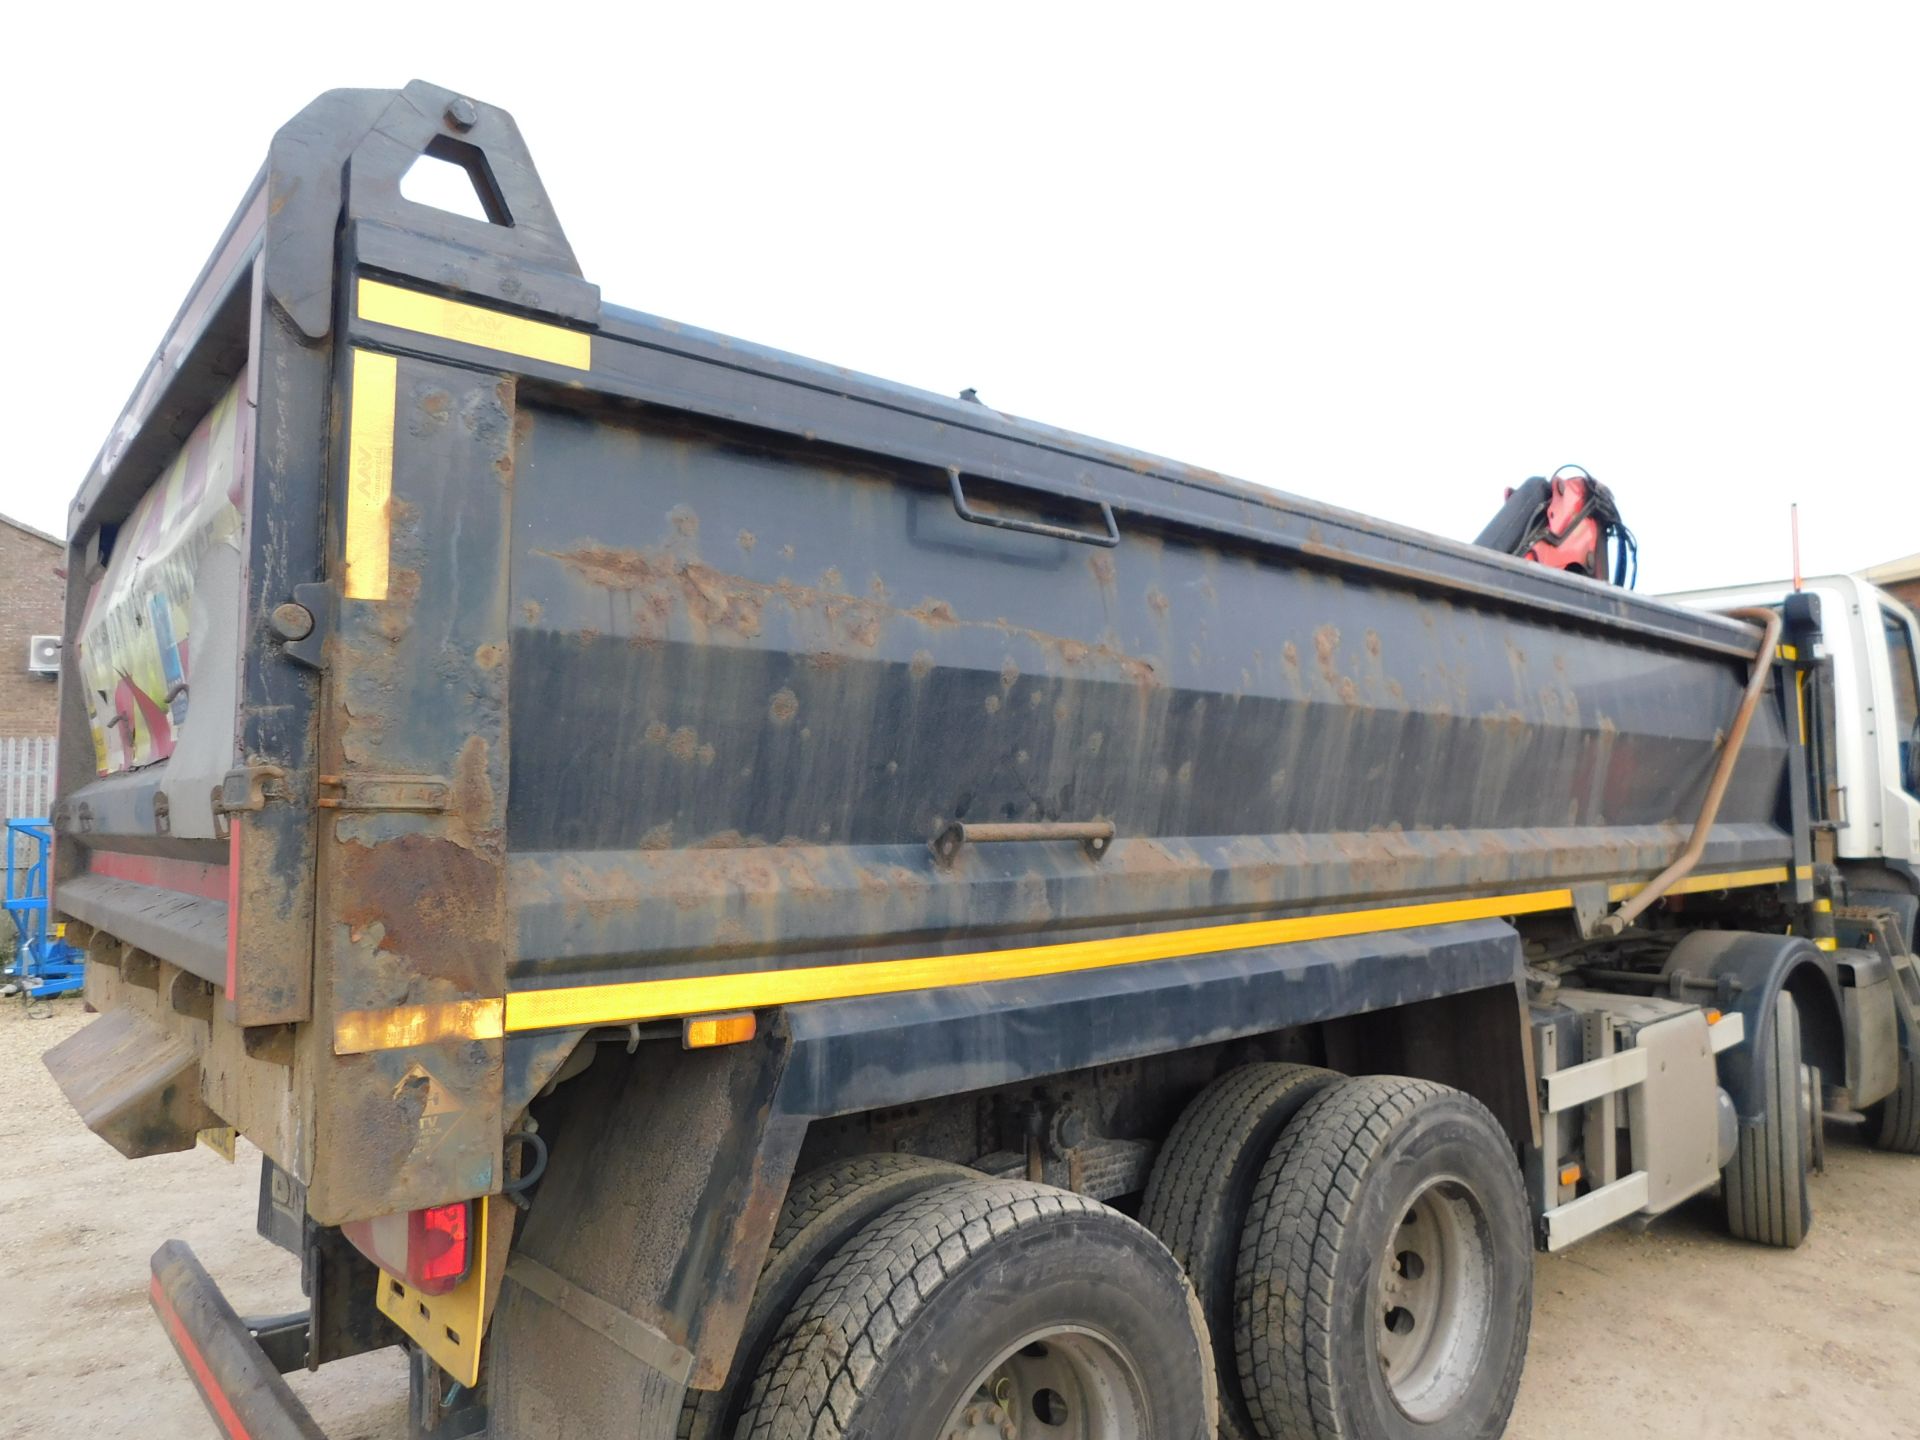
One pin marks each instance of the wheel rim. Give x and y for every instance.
(1434, 1300)
(1066, 1383)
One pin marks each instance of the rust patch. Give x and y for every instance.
(992, 703)
(429, 902)
(604, 565)
(1326, 644)
(683, 744)
(658, 837)
(684, 520)
(747, 540)
(470, 816)
(921, 665)
(1102, 568)
(936, 614)
(530, 611)
(713, 598)
(784, 707)
(1157, 600)
(1009, 673)
(1373, 643)
(490, 656)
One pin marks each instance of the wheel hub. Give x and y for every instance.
(1057, 1385)
(1433, 1300)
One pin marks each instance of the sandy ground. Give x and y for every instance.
(1678, 1331)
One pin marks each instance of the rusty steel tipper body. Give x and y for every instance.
(472, 688)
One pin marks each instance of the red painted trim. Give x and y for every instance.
(189, 877)
(217, 1401)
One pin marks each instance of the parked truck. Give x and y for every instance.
(740, 899)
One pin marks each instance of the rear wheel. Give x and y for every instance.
(1196, 1200)
(1764, 1189)
(1385, 1279)
(990, 1310)
(1894, 1123)
(824, 1209)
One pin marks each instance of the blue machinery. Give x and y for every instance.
(43, 964)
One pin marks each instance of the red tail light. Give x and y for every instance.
(429, 1249)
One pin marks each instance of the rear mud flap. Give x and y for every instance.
(137, 1087)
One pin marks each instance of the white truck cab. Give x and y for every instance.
(1873, 642)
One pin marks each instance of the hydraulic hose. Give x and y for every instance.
(1617, 921)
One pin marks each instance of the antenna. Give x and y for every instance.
(1793, 512)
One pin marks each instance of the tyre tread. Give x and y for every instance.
(835, 1338)
(1188, 1203)
(1305, 1202)
(1764, 1191)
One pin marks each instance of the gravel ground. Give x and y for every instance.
(1678, 1331)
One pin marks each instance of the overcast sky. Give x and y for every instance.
(1395, 257)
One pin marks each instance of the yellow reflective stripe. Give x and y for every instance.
(445, 319)
(369, 474)
(358, 1031)
(1695, 884)
(652, 999)
(578, 1005)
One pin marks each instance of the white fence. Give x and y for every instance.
(26, 776)
(26, 788)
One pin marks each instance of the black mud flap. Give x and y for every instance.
(241, 1386)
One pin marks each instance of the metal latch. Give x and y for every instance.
(422, 793)
(245, 789)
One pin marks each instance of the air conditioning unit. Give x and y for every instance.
(43, 655)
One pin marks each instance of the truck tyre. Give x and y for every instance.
(1196, 1199)
(823, 1210)
(1764, 1189)
(1895, 1121)
(988, 1310)
(1385, 1278)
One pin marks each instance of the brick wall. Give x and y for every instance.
(31, 601)
(1907, 592)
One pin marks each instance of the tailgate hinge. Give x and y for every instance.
(424, 793)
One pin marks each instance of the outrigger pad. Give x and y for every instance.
(137, 1087)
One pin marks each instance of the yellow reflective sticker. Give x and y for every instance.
(376, 380)
(445, 319)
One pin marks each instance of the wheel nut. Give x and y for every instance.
(460, 113)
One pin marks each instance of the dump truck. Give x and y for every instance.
(740, 899)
